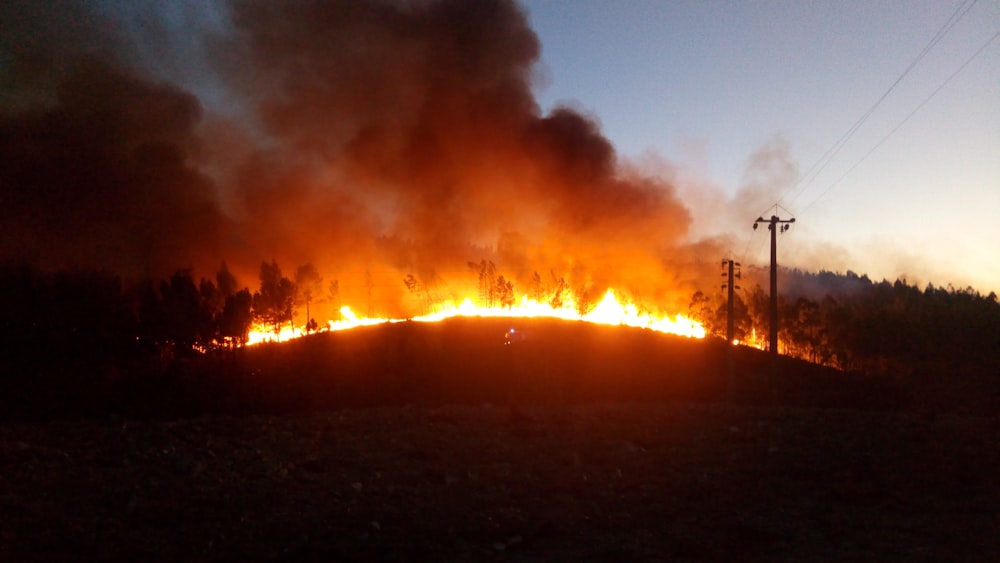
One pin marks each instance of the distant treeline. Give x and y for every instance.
(944, 340)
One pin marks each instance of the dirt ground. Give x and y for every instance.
(600, 482)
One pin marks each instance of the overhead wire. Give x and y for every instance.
(828, 156)
(817, 167)
(903, 122)
(760, 245)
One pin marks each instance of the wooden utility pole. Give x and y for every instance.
(732, 276)
(773, 224)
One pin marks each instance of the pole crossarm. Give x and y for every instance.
(773, 221)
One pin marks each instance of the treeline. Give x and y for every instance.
(179, 314)
(85, 341)
(940, 337)
(73, 340)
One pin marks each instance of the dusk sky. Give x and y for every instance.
(627, 144)
(706, 89)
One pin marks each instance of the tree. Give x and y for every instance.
(212, 302)
(152, 328)
(274, 304)
(308, 283)
(418, 288)
(758, 308)
(741, 319)
(536, 287)
(559, 290)
(237, 317)
(487, 271)
(802, 329)
(705, 310)
(504, 292)
(225, 281)
(182, 305)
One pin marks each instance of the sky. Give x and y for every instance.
(627, 144)
(710, 87)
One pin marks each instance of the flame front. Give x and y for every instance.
(609, 311)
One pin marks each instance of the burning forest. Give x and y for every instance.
(499, 338)
(376, 140)
(391, 154)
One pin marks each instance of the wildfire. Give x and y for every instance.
(609, 311)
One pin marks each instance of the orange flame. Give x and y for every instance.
(609, 311)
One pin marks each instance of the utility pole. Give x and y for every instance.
(732, 275)
(773, 224)
(730, 286)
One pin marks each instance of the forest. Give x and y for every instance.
(942, 341)
(84, 342)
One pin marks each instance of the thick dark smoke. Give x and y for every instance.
(374, 139)
(96, 168)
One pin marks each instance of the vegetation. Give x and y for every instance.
(274, 304)
(79, 342)
(307, 287)
(942, 340)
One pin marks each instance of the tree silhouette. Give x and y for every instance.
(274, 303)
(225, 281)
(536, 287)
(152, 329)
(237, 317)
(212, 302)
(308, 283)
(558, 292)
(418, 288)
(486, 270)
(182, 305)
(504, 293)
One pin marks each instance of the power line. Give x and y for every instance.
(903, 122)
(805, 180)
(839, 144)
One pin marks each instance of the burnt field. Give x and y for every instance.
(459, 441)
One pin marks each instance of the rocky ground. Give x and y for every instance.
(597, 482)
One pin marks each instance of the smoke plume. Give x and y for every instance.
(372, 138)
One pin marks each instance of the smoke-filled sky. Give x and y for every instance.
(742, 100)
(609, 144)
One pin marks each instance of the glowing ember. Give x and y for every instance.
(608, 312)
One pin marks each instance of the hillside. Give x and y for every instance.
(503, 361)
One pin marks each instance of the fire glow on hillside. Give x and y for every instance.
(609, 311)
(371, 140)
